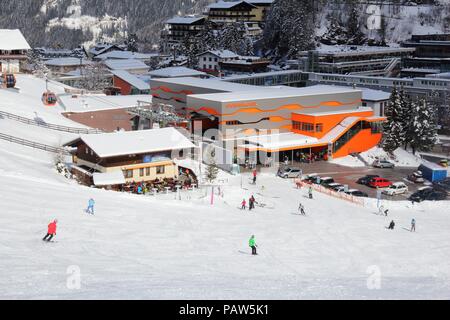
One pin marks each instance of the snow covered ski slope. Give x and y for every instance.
(137, 247)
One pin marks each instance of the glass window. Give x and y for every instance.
(147, 171)
(128, 174)
(319, 127)
(141, 172)
(160, 170)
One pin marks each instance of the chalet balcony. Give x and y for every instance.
(8, 56)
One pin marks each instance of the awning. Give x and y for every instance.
(109, 178)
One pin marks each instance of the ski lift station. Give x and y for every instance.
(327, 121)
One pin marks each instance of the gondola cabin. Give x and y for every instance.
(49, 98)
(9, 80)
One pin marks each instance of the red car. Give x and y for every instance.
(380, 183)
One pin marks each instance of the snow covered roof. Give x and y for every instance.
(125, 64)
(109, 178)
(227, 4)
(118, 54)
(184, 20)
(211, 84)
(279, 141)
(131, 79)
(348, 50)
(273, 93)
(69, 61)
(374, 95)
(100, 48)
(91, 103)
(175, 72)
(256, 2)
(135, 142)
(13, 40)
(223, 54)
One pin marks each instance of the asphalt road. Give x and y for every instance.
(349, 176)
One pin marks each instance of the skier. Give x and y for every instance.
(413, 225)
(254, 176)
(244, 205)
(380, 210)
(252, 202)
(51, 232)
(301, 208)
(310, 192)
(252, 244)
(392, 225)
(386, 212)
(90, 208)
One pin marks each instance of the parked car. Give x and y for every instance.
(326, 181)
(365, 180)
(443, 185)
(312, 177)
(340, 188)
(290, 173)
(357, 193)
(333, 185)
(396, 188)
(383, 164)
(444, 163)
(429, 194)
(379, 183)
(416, 177)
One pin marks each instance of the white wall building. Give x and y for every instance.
(13, 50)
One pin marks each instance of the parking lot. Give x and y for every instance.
(349, 176)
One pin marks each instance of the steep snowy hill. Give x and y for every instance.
(68, 23)
(160, 248)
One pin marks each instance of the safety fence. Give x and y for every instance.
(32, 144)
(50, 126)
(339, 195)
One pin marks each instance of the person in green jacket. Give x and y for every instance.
(252, 244)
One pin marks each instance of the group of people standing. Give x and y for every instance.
(251, 203)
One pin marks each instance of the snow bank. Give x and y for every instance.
(401, 158)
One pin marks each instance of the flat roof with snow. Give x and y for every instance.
(131, 79)
(348, 50)
(61, 62)
(125, 64)
(135, 142)
(211, 84)
(184, 20)
(118, 54)
(92, 103)
(175, 72)
(13, 40)
(274, 93)
(279, 141)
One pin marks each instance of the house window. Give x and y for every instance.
(215, 59)
(319, 127)
(128, 174)
(147, 171)
(92, 152)
(210, 67)
(141, 172)
(210, 59)
(204, 58)
(160, 170)
(87, 150)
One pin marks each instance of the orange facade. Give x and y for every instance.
(318, 126)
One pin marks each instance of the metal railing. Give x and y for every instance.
(48, 125)
(32, 144)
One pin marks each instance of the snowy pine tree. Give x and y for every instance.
(289, 28)
(423, 128)
(393, 129)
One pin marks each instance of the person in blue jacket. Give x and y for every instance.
(90, 208)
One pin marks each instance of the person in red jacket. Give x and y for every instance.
(255, 173)
(51, 231)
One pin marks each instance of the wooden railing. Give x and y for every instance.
(332, 193)
(48, 125)
(32, 144)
